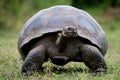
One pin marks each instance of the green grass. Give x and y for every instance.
(10, 60)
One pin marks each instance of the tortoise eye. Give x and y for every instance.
(69, 28)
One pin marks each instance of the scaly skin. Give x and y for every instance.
(34, 60)
(93, 58)
(75, 50)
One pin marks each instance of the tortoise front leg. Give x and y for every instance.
(34, 59)
(92, 57)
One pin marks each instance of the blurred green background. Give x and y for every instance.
(14, 14)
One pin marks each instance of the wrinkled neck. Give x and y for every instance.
(61, 42)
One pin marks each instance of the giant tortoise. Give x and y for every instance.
(62, 34)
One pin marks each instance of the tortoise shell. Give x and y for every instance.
(54, 19)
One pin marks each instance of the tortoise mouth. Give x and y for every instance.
(60, 60)
(69, 34)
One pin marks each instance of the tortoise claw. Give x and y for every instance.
(99, 72)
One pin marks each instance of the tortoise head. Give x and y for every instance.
(69, 31)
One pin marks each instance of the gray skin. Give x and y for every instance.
(63, 47)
